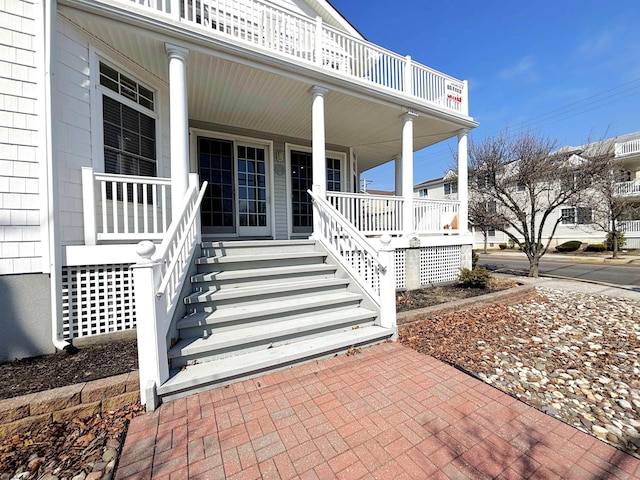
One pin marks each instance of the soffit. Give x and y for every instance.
(225, 92)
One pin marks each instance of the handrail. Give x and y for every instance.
(169, 239)
(344, 223)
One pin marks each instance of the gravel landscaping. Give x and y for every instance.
(573, 356)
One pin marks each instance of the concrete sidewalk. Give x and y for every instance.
(386, 412)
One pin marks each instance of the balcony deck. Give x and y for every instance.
(278, 32)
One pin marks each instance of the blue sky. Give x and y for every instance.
(567, 69)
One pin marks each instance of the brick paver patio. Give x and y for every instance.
(386, 412)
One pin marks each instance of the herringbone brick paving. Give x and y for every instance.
(386, 412)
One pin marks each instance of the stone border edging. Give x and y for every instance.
(521, 289)
(20, 414)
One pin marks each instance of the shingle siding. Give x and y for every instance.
(20, 243)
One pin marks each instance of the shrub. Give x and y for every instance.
(503, 246)
(595, 247)
(570, 246)
(621, 240)
(476, 278)
(474, 258)
(511, 243)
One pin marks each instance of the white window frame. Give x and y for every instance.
(97, 117)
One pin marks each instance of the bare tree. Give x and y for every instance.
(518, 183)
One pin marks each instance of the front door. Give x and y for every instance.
(236, 199)
(302, 180)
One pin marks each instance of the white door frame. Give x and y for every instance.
(194, 163)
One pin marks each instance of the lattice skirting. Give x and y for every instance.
(97, 299)
(401, 263)
(439, 264)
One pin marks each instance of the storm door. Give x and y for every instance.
(236, 199)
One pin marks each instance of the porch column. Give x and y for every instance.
(463, 182)
(179, 123)
(407, 173)
(318, 154)
(398, 176)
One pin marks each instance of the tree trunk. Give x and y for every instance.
(485, 241)
(534, 263)
(615, 244)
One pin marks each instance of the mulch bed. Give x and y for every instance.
(91, 362)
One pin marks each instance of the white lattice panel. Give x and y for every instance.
(97, 299)
(401, 262)
(365, 267)
(439, 264)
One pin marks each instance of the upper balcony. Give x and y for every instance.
(632, 147)
(277, 32)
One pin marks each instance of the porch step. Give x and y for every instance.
(252, 294)
(255, 336)
(204, 376)
(264, 275)
(258, 306)
(203, 322)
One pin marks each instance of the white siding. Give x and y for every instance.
(19, 170)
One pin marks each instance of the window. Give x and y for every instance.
(129, 126)
(491, 232)
(492, 207)
(577, 216)
(574, 181)
(450, 188)
(423, 192)
(333, 174)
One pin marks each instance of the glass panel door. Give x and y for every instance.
(252, 191)
(216, 167)
(301, 181)
(235, 201)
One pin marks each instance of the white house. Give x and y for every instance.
(198, 128)
(577, 220)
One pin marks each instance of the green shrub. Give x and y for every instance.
(595, 247)
(570, 246)
(503, 246)
(474, 258)
(476, 278)
(622, 241)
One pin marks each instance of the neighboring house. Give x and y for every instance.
(577, 220)
(115, 113)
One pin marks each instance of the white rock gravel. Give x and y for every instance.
(580, 364)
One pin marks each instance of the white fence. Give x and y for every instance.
(627, 148)
(124, 207)
(435, 216)
(628, 188)
(370, 214)
(278, 30)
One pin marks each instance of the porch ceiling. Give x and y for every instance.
(267, 97)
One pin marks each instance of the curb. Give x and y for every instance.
(521, 291)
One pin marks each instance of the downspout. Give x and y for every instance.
(55, 268)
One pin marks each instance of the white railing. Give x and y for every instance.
(369, 214)
(373, 270)
(627, 148)
(629, 226)
(435, 216)
(158, 280)
(628, 188)
(124, 207)
(278, 30)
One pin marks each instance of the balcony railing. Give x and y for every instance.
(627, 148)
(630, 227)
(435, 216)
(628, 188)
(274, 29)
(124, 207)
(369, 214)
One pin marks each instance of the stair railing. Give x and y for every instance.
(158, 279)
(374, 270)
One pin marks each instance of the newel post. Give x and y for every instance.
(387, 257)
(153, 362)
(89, 206)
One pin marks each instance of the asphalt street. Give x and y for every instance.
(609, 272)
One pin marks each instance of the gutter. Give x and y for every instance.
(52, 219)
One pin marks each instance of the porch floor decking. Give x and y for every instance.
(385, 412)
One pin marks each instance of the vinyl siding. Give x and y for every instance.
(20, 245)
